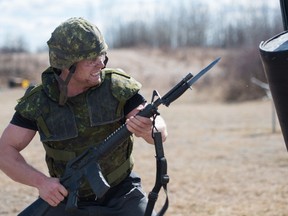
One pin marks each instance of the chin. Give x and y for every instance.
(95, 81)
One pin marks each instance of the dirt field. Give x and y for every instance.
(223, 160)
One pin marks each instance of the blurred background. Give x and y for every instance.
(224, 156)
(189, 32)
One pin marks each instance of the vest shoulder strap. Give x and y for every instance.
(118, 71)
(123, 86)
(30, 91)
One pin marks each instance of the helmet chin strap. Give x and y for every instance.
(63, 85)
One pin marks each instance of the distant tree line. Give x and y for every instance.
(195, 25)
(236, 28)
(239, 29)
(14, 45)
(186, 24)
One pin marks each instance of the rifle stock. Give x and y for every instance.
(86, 165)
(38, 207)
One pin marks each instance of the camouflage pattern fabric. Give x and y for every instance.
(84, 121)
(74, 40)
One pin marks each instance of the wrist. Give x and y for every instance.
(39, 180)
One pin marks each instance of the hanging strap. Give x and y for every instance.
(63, 85)
(162, 178)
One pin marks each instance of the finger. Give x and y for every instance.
(144, 124)
(52, 202)
(131, 126)
(138, 128)
(58, 197)
(63, 191)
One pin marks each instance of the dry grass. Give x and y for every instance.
(223, 160)
(154, 68)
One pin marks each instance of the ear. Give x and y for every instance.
(64, 73)
(65, 70)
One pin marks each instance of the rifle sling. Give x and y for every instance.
(111, 177)
(162, 178)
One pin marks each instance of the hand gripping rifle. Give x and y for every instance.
(85, 166)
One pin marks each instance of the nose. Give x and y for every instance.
(100, 61)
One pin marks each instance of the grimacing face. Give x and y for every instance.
(87, 73)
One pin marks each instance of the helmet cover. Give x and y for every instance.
(74, 40)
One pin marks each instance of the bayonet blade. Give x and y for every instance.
(203, 71)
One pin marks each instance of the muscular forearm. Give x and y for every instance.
(17, 169)
(13, 140)
(14, 165)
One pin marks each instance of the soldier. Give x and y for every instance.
(79, 103)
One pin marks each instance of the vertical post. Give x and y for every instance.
(265, 86)
(273, 117)
(284, 13)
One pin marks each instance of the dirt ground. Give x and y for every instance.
(223, 160)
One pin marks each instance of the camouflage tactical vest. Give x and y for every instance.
(85, 120)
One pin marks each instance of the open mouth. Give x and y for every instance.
(95, 74)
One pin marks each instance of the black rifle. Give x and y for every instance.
(85, 166)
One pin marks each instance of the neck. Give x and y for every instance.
(73, 88)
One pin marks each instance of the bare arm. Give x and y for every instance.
(13, 140)
(142, 126)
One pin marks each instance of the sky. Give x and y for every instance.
(34, 20)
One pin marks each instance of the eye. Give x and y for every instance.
(90, 62)
(94, 62)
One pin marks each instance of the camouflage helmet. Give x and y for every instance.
(74, 40)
